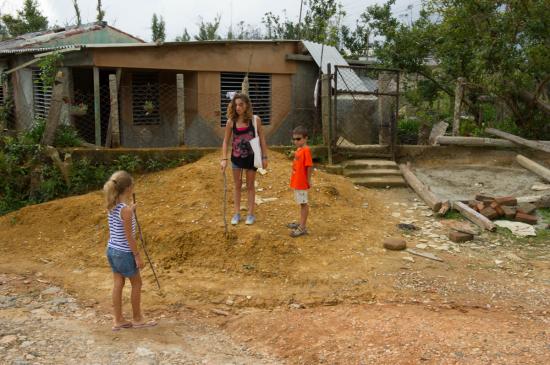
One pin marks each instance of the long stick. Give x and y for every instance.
(143, 244)
(225, 203)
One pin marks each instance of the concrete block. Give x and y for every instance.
(395, 244)
(526, 218)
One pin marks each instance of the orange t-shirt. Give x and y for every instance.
(302, 160)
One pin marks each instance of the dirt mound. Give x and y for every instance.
(180, 211)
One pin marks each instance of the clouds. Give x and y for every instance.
(134, 16)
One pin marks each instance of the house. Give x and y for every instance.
(173, 94)
(22, 96)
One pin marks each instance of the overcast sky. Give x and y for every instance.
(134, 16)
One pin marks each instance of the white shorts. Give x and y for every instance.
(300, 196)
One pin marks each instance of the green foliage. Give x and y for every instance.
(407, 131)
(185, 37)
(65, 135)
(29, 19)
(208, 31)
(86, 176)
(128, 163)
(100, 12)
(49, 65)
(158, 28)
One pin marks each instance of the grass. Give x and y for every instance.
(452, 214)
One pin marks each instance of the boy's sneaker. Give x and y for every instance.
(298, 232)
(293, 225)
(250, 219)
(236, 218)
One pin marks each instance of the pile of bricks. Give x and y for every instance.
(506, 207)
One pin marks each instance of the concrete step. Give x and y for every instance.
(371, 172)
(380, 182)
(370, 163)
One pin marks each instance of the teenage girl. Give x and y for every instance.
(240, 130)
(122, 249)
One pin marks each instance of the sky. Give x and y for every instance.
(134, 16)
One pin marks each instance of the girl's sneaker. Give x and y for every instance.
(250, 219)
(236, 218)
(298, 232)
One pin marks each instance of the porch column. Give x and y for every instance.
(180, 100)
(113, 117)
(384, 109)
(97, 111)
(5, 97)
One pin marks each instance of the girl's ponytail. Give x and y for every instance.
(116, 185)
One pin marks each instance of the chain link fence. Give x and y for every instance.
(365, 108)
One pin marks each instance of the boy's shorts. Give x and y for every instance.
(122, 262)
(300, 196)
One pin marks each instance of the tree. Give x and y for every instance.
(77, 12)
(500, 48)
(100, 12)
(29, 19)
(356, 42)
(244, 31)
(209, 30)
(280, 28)
(185, 37)
(158, 28)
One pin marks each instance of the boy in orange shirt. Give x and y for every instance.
(300, 179)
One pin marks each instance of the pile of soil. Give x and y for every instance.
(181, 214)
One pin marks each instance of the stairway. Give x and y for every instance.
(373, 173)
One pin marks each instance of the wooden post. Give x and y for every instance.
(474, 141)
(474, 216)
(332, 106)
(180, 99)
(54, 113)
(384, 109)
(108, 137)
(534, 167)
(114, 117)
(97, 109)
(536, 145)
(422, 190)
(325, 107)
(459, 95)
(5, 97)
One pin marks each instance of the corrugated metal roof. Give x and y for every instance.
(347, 78)
(37, 50)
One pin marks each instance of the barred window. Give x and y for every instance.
(259, 92)
(145, 98)
(42, 95)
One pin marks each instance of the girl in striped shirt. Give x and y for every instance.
(122, 249)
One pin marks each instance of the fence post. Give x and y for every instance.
(5, 98)
(114, 117)
(180, 99)
(384, 109)
(54, 113)
(332, 105)
(459, 95)
(97, 110)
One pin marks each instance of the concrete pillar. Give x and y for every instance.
(114, 117)
(97, 109)
(384, 108)
(180, 100)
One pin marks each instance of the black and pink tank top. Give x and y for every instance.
(242, 155)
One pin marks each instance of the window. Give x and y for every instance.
(42, 95)
(259, 91)
(145, 98)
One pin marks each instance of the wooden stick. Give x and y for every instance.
(422, 190)
(474, 141)
(474, 216)
(534, 167)
(518, 140)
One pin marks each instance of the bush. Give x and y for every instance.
(407, 131)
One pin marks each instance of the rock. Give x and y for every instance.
(460, 236)
(144, 352)
(51, 290)
(407, 226)
(408, 258)
(6, 340)
(395, 244)
(526, 208)
(296, 306)
(220, 312)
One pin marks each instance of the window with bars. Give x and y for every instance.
(145, 98)
(259, 92)
(42, 95)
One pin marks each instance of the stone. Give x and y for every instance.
(421, 245)
(51, 290)
(394, 244)
(144, 352)
(458, 237)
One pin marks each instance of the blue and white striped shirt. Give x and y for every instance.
(117, 236)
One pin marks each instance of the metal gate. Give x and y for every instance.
(365, 109)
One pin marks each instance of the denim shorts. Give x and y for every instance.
(122, 262)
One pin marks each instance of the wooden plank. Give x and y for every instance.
(459, 95)
(475, 142)
(54, 114)
(422, 190)
(474, 216)
(536, 145)
(26, 64)
(180, 99)
(424, 254)
(97, 109)
(534, 167)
